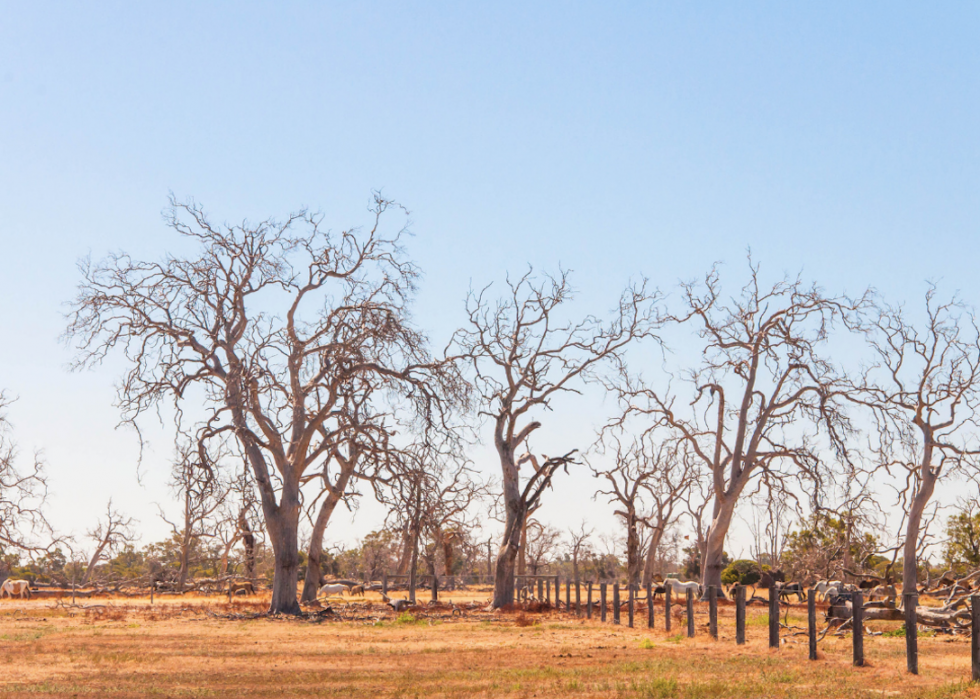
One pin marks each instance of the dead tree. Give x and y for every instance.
(22, 495)
(109, 535)
(923, 389)
(578, 546)
(201, 492)
(523, 356)
(760, 396)
(667, 492)
(266, 323)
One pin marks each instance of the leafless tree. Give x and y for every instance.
(109, 535)
(432, 498)
(578, 547)
(22, 494)
(770, 390)
(264, 325)
(201, 492)
(667, 492)
(923, 389)
(542, 545)
(524, 355)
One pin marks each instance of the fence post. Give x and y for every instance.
(811, 621)
(557, 592)
(384, 583)
(857, 627)
(649, 605)
(666, 607)
(713, 611)
(578, 598)
(615, 602)
(588, 604)
(435, 588)
(547, 590)
(690, 613)
(568, 595)
(632, 604)
(773, 617)
(740, 615)
(602, 601)
(910, 601)
(975, 637)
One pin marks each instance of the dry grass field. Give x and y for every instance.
(203, 647)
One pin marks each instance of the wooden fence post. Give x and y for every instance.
(540, 589)
(649, 605)
(578, 598)
(667, 607)
(568, 595)
(547, 590)
(773, 617)
(435, 588)
(690, 613)
(857, 627)
(557, 592)
(713, 611)
(615, 602)
(740, 615)
(811, 621)
(910, 601)
(975, 637)
(602, 601)
(632, 602)
(588, 604)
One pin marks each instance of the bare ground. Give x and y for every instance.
(200, 647)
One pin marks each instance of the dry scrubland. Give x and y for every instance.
(187, 647)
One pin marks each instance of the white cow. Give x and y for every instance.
(679, 589)
(826, 588)
(21, 588)
(329, 590)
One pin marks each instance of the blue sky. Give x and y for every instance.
(648, 139)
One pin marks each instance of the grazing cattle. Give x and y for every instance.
(21, 588)
(789, 589)
(826, 588)
(399, 605)
(235, 587)
(331, 590)
(678, 588)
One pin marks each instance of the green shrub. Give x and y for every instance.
(743, 572)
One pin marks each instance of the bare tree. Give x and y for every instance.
(114, 531)
(768, 385)
(578, 547)
(542, 545)
(205, 327)
(923, 388)
(523, 356)
(201, 493)
(22, 494)
(667, 492)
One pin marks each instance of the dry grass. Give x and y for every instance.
(183, 648)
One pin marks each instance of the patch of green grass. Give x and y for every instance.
(646, 644)
(676, 638)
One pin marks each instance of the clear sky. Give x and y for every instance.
(840, 139)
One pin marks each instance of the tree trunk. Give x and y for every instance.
(503, 587)
(283, 524)
(311, 583)
(248, 542)
(910, 569)
(185, 545)
(655, 537)
(632, 555)
(406, 557)
(714, 545)
(522, 552)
